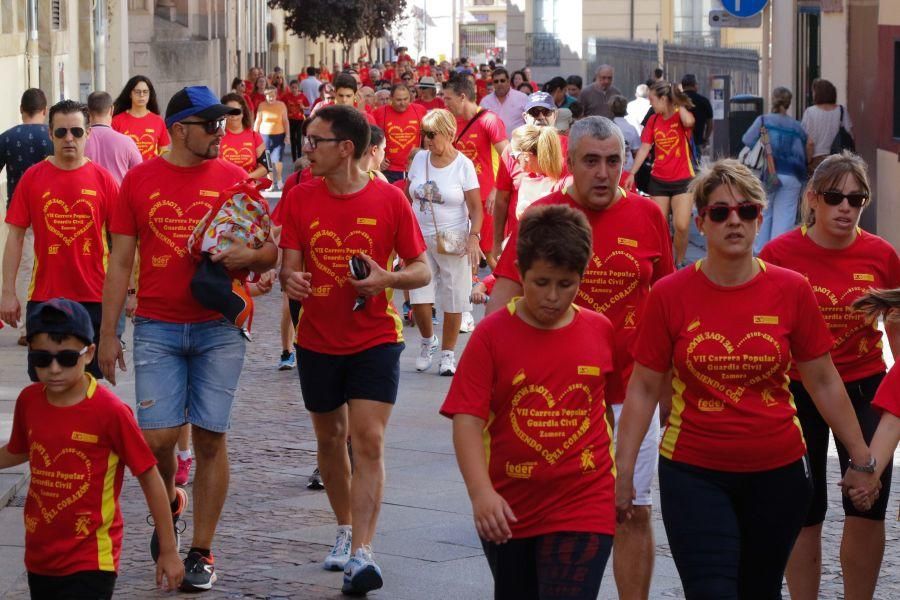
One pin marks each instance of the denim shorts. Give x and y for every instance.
(186, 373)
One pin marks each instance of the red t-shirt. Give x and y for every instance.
(240, 148)
(160, 204)
(431, 104)
(77, 456)
(402, 132)
(255, 99)
(329, 230)
(296, 178)
(730, 348)
(632, 251)
(838, 277)
(548, 443)
(388, 75)
(148, 132)
(295, 105)
(480, 90)
(478, 144)
(423, 71)
(69, 212)
(888, 395)
(672, 147)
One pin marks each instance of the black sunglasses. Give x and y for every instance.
(41, 359)
(429, 134)
(856, 200)
(719, 213)
(60, 132)
(209, 127)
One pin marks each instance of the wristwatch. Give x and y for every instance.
(477, 235)
(869, 468)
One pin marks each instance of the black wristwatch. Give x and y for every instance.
(869, 468)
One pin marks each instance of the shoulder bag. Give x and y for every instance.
(448, 242)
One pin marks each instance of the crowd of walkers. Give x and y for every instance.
(605, 357)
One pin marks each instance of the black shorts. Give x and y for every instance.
(815, 432)
(94, 310)
(656, 187)
(84, 585)
(328, 381)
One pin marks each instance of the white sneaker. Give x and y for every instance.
(362, 574)
(339, 556)
(426, 352)
(468, 323)
(448, 363)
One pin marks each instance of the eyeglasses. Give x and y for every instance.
(313, 142)
(209, 127)
(719, 213)
(67, 359)
(61, 132)
(429, 134)
(856, 200)
(137, 92)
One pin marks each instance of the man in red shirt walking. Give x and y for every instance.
(401, 122)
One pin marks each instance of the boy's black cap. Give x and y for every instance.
(61, 316)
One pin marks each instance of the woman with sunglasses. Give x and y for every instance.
(446, 197)
(136, 114)
(842, 262)
(733, 473)
(240, 144)
(788, 142)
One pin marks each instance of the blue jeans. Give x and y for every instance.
(186, 372)
(780, 216)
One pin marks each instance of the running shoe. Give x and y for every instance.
(199, 573)
(361, 575)
(426, 353)
(467, 325)
(288, 361)
(340, 554)
(183, 474)
(315, 481)
(447, 366)
(182, 498)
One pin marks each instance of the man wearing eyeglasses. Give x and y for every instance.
(349, 354)
(507, 103)
(66, 200)
(187, 358)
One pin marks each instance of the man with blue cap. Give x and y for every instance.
(187, 357)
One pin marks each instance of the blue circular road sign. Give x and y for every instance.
(744, 8)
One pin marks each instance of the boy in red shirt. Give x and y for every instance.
(77, 437)
(542, 498)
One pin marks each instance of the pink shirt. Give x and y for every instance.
(510, 110)
(114, 151)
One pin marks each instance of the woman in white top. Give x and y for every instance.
(822, 121)
(444, 190)
(619, 107)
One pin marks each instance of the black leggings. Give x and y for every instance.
(84, 585)
(731, 533)
(566, 565)
(816, 430)
(296, 126)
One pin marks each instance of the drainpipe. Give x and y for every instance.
(632, 21)
(31, 45)
(100, 36)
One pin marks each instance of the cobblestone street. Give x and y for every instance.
(274, 532)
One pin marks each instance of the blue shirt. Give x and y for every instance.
(21, 147)
(788, 141)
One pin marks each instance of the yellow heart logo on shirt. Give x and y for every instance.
(173, 226)
(331, 253)
(548, 425)
(66, 222)
(57, 483)
(735, 371)
(666, 142)
(610, 280)
(402, 137)
(242, 157)
(146, 143)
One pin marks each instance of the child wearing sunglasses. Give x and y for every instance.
(530, 430)
(734, 477)
(78, 437)
(842, 262)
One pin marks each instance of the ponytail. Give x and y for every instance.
(674, 93)
(880, 303)
(549, 153)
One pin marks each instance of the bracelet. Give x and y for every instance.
(867, 468)
(132, 292)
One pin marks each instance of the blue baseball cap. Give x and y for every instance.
(61, 316)
(196, 101)
(540, 100)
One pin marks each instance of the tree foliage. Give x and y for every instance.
(342, 21)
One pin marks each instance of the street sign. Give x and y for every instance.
(744, 8)
(720, 18)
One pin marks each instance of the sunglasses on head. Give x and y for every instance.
(856, 200)
(209, 127)
(719, 213)
(41, 359)
(60, 132)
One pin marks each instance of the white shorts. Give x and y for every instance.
(647, 458)
(451, 281)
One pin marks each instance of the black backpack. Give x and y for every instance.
(843, 140)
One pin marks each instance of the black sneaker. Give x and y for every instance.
(199, 573)
(315, 481)
(179, 525)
